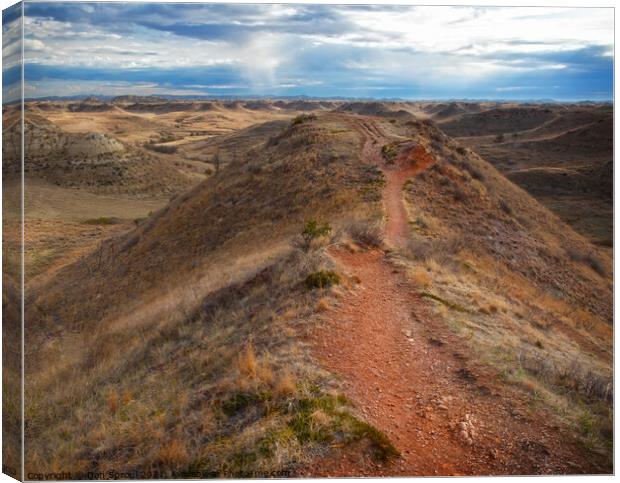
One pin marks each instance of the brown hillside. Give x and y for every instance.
(309, 170)
(92, 161)
(497, 121)
(565, 162)
(229, 345)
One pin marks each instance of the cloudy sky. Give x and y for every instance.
(333, 51)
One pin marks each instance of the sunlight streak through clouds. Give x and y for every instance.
(321, 50)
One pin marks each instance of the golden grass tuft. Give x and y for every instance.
(351, 246)
(264, 373)
(419, 276)
(488, 309)
(322, 305)
(173, 454)
(113, 401)
(209, 423)
(432, 265)
(320, 418)
(286, 385)
(247, 362)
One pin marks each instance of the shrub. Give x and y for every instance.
(505, 207)
(303, 118)
(450, 305)
(314, 229)
(160, 148)
(572, 376)
(588, 259)
(389, 152)
(441, 250)
(366, 234)
(102, 220)
(419, 276)
(322, 279)
(459, 194)
(173, 454)
(474, 172)
(383, 449)
(419, 221)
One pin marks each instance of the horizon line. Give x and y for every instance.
(241, 97)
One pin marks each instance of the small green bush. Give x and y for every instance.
(383, 449)
(322, 279)
(314, 229)
(389, 152)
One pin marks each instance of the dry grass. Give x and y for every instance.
(215, 371)
(419, 276)
(247, 362)
(366, 233)
(113, 401)
(286, 384)
(234, 366)
(204, 370)
(323, 304)
(238, 206)
(173, 454)
(533, 340)
(501, 280)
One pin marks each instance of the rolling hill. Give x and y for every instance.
(339, 269)
(559, 153)
(93, 161)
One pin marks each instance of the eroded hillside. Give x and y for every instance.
(212, 337)
(93, 161)
(561, 154)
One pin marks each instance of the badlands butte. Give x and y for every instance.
(311, 288)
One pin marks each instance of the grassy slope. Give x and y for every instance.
(533, 297)
(222, 381)
(564, 162)
(219, 382)
(11, 320)
(497, 121)
(313, 171)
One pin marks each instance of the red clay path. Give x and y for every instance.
(413, 379)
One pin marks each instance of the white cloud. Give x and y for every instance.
(270, 45)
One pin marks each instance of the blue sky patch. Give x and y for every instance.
(322, 50)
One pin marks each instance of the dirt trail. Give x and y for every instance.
(414, 161)
(413, 379)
